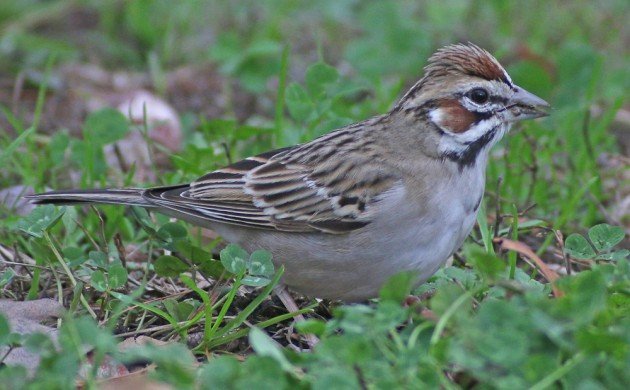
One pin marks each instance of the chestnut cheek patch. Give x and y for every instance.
(451, 116)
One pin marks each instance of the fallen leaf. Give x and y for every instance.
(526, 251)
(138, 380)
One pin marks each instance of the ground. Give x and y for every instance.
(537, 297)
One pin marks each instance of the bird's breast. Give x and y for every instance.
(438, 221)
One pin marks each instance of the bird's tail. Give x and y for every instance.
(127, 196)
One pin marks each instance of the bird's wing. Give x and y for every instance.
(330, 185)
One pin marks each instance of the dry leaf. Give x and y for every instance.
(526, 251)
(138, 380)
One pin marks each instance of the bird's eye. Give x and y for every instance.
(478, 95)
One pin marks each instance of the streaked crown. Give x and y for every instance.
(469, 99)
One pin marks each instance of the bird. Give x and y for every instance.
(346, 211)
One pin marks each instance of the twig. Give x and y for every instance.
(567, 260)
(69, 273)
(228, 155)
(7, 253)
(497, 220)
(101, 229)
(122, 252)
(533, 168)
(25, 265)
(124, 168)
(87, 234)
(586, 134)
(602, 209)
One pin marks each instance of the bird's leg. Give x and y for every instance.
(289, 303)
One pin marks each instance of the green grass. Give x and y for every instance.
(290, 71)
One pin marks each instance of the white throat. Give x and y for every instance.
(475, 142)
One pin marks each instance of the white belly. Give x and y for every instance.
(353, 267)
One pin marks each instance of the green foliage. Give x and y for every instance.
(398, 287)
(390, 32)
(603, 238)
(253, 63)
(40, 220)
(101, 128)
(170, 266)
(488, 322)
(526, 341)
(256, 269)
(174, 363)
(234, 259)
(319, 104)
(60, 361)
(116, 278)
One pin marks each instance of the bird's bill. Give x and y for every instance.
(526, 105)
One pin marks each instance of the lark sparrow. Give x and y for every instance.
(347, 210)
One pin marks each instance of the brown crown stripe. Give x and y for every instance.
(467, 59)
(461, 59)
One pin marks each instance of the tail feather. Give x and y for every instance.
(128, 196)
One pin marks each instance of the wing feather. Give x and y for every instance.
(332, 185)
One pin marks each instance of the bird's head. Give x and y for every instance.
(469, 100)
